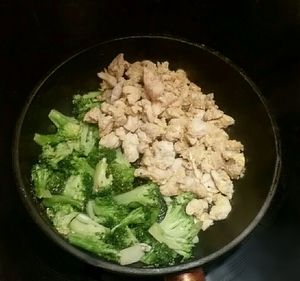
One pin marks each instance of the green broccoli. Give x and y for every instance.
(122, 173)
(49, 202)
(41, 177)
(97, 246)
(89, 139)
(52, 155)
(177, 230)
(160, 255)
(61, 216)
(122, 237)
(76, 164)
(101, 180)
(84, 225)
(136, 216)
(146, 195)
(78, 187)
(106, 211)
(83, 103)
(101, 152)
(68, 128)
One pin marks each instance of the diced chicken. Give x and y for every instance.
(92, 116)
(132, 124)
(110, 80)
(222, 182)
(132, 93)
(153, 131)
(153, 85)
(157, 175)
(116, 91)
(164, 154)
(130, 147)
(175, 131)
(196, 207)
(105, 124)
(221, 208)
(206, 221)
(212, 114)
(110, 140)
(223, 122)
(118, 66)
(234, 164)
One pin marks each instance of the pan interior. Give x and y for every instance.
(234, 94)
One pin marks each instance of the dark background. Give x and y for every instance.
(262, 37)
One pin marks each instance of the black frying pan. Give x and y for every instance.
(234, 92)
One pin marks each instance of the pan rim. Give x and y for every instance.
(98, 262)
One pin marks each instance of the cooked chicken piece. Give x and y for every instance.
(181, 147)
(212, 160)
(192, 184)
(157, 109)
(120, 133)
(92, 116)
(170, 188)
(135, 72)
(153, 85)
(110, 140)
(110, 81)
(173, 112)
(196, 207)
(117, 91)
(105, 124)
(155, 174)
(233, 145)
(212, 114)
(174, 132)
(118, 66)
(223, 122)
(132, 124)
(234, 164)
(132, 93)
(222, 182)
(168, 99)
(153, 131)
(198, 128)
(221, 209)
(164, 154)
(208, 182)
(206, 221)
(130, 147)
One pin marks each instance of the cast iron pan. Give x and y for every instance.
(234, 92)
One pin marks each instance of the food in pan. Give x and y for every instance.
(141, 168)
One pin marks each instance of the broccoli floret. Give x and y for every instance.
(122, 173)
(61, 199)
(41, 176)
(146, 195)
(84, 225)
(88, 139)
(97, 246)
(101, 180)
(122, 237)
(68, 128)
(177, 230)
(54, 154)
(75, 164)
(160, 255)
(101, 152)
(78, 187)
(83, 103)
(61, 216)
(107, 211)
(136, 216)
